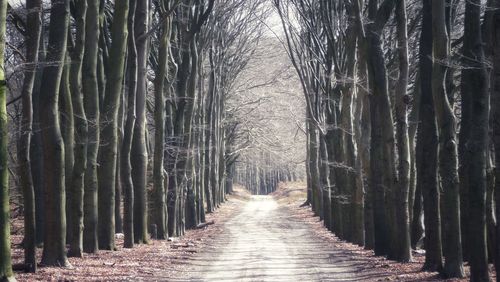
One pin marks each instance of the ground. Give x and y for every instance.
(253, 238)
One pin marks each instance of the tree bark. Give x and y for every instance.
(34, 22)
(403, 142)
(5, 252)
(109, 133)
(126, 165)
(54, 247)
(475, 86)
(91, 105)
(75, 195)
(448, 156)
(139, 154)
(159, 117)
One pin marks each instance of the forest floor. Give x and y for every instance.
(253, 238)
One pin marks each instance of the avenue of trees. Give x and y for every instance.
(403, 128)
(137, 116)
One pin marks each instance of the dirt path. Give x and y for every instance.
(263, 242)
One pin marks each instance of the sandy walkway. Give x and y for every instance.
(264, 243)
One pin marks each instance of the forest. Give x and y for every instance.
(136, 119)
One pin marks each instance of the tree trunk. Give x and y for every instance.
(427, 143)
(448, 159)
(75, 195)
(5, 253)
(126, 165)
(54, 247)
(314, 168)
(109, 133)
(495, 123)
(382, 147)
(139, 154)
(159, 117)
(34, 22)
(475, 85)
(402, 210)
(91, 100)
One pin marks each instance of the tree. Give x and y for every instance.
(109, 132)
(5, 259)
(139, 154)
(447, 153)
(161, 76)
(475, 85)
(403, 216)
(126, 165)
(54, 246)
(34, 22)
(76, 189)
(91, 100)
(427, 146)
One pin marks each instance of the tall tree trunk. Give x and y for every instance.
(54, 247)
(33, 22)
(475, 85)
(139, 154)
(427, 144)
(448, 158)
(109, 133)
(126, 165)
(402, 210)
(159, 117)
(495, 123)
(5, 253)
(75, 191)
(382, 147)
(91, 100)
(67, 118)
